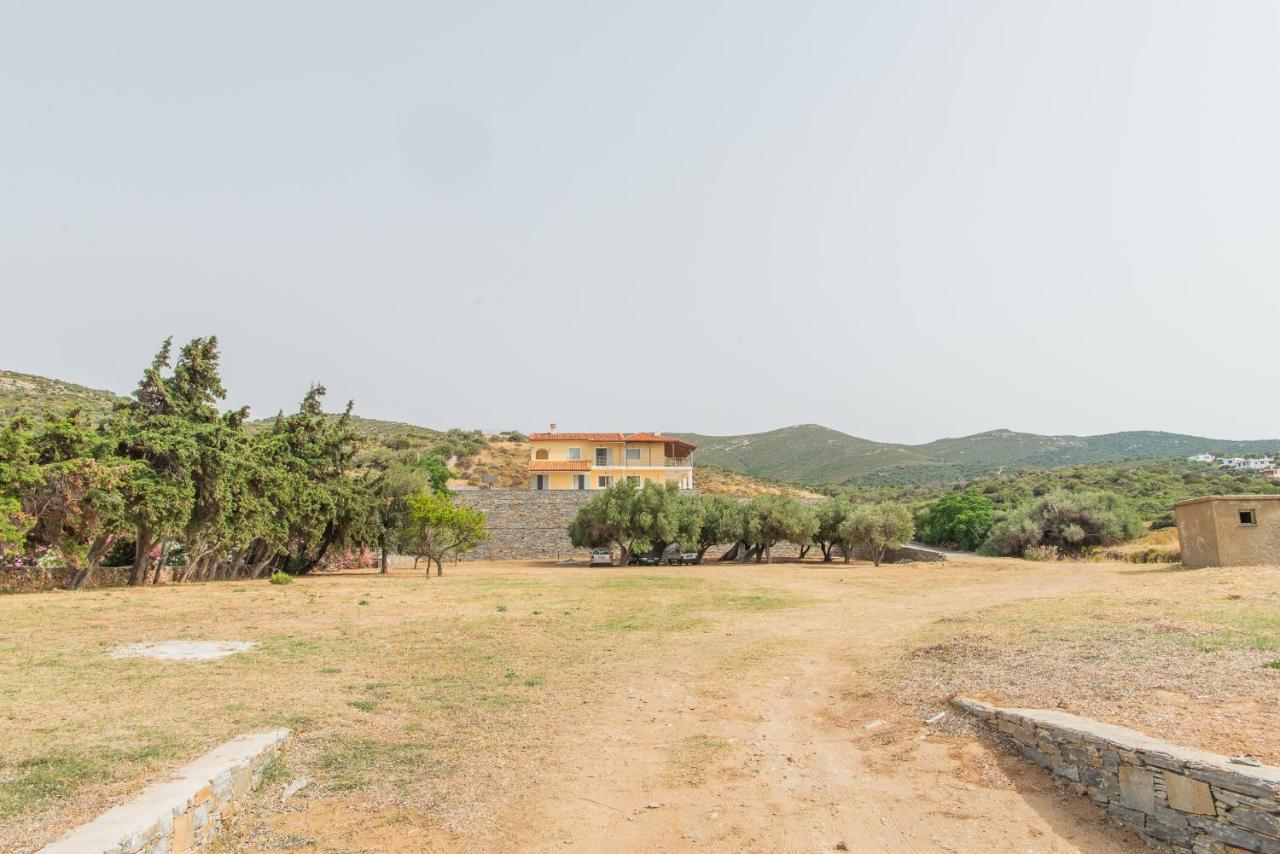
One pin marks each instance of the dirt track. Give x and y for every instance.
(783, 760)
(777, 751)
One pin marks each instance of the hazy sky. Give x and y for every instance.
(904, 220)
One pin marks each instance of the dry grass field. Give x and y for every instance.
(530, 707)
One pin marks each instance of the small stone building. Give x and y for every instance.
(1229, 530)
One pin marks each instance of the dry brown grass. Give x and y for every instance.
(392, 684)
(1190, 655)
(436, 702)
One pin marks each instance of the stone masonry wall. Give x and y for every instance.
(36, 580)
(183, 812)
(526, 524)
(1176, 798)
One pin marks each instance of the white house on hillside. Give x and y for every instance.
(1201, 458)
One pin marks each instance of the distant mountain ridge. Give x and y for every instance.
(811, 453)
(806, 453)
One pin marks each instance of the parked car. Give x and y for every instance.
(601, 557)
(688, 557)
(645, 560)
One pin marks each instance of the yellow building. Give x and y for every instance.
(599, 460)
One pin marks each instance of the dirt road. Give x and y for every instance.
(804, 751)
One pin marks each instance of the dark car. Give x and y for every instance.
(645, 560)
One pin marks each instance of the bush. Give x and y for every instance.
(960, 520)
(1042, 553)
(1074, 522)
(279, 577)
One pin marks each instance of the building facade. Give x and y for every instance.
(1229, 530)
(589, 461)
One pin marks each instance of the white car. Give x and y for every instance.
(601, 557)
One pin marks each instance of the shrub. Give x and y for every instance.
(279, 577)
(1074, 522)
(958, 519)
(1041, 553)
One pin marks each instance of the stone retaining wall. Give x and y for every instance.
(182, 813)
(1175, 797)
(526, 524)
(31, 579)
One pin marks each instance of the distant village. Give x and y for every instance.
(1262, 466)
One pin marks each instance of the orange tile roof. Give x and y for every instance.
(559, 465)
(608, 437)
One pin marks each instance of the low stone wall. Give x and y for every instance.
(184, 812)
(1174, 797)
(36, 580)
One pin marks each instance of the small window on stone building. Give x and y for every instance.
(540, 454)
(1248, 517)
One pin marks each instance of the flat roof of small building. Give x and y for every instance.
(1203, 498)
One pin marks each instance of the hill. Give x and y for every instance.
(809, 453)
(30, 395)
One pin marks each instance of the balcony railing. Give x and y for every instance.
(615, 463)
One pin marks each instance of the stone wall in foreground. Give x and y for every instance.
(183, 812)
(1174, 797)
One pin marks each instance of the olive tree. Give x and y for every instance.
(779, 518)
(877, 528)
(628, 518)
(702, 521)
(831, 515)
(438, 528)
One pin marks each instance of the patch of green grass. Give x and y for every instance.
(1274, 665)
(647, 582)
(45, 778)
(756, 602)
(357, 763)
(501, 609)
(533, 681)
(362, 705)
(279, 577)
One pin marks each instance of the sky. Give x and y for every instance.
(903, 220)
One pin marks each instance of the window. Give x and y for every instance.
(540, 454)
(575, 454)
(540, 481)
(633, 455)
(634, 478)
(602, 456)
(1248, 517)
(579, 481)
(604, 481)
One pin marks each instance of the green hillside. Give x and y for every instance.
(30, 395)
(807, 453)
(812, 454)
